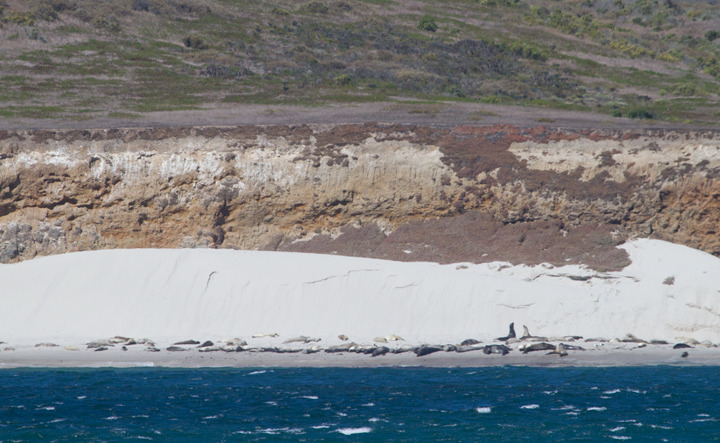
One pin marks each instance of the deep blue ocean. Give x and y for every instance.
(647, 404)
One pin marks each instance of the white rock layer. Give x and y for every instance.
(215, 294)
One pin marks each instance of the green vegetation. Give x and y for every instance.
(625, 58)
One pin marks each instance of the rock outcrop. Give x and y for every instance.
(386, 191)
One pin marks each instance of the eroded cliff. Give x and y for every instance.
(473, 194)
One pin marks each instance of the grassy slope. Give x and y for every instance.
(83, 58)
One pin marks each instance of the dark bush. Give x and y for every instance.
(3, 5)
(427, 23)
(712, 35)
(640, 113)
(194, 42)
(616, 113)
(142, 5)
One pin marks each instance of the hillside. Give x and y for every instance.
(75, 61)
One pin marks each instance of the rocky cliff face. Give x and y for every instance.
(473, 194)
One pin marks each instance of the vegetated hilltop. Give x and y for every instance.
(122, 59)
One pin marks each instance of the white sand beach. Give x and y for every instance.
(669, 292)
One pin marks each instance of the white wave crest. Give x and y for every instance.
(614, 391)
(530, 406)
(351, 431)
(597, 408)
(484, 410)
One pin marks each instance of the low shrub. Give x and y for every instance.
(20, 18)
(712, 35)
(427, 23)
(194, 42)
(640, 113)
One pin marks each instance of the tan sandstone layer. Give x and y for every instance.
(401, 192)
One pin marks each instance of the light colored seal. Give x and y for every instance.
(343, 337)
(264, 335)
(72, 348)
(46, 345)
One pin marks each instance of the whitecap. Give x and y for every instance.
(596, 408)
(140, 437)
(620, 437)
(341, 414)
(614, 391)
(660, 427)
(484, 410)
(257, 372)
(369, 404)
(604, 397)
(530, 406)
(81, 397)
(310, 397)
(242, 432)
(619, 428)
(47, 408)
(374, 419)
(550, 392)
(572, 413)
(271, 431)
(700, 420)
(636, 391)
(271, 403)
(564, 408)
(57, 420)
(351, 431)
(627, 421)
(321, 427)
(210, 417)
(703, 415)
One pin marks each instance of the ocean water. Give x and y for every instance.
(647, 404)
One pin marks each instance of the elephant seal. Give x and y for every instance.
(340, 348)
(449, 348)
(71, 348)
(510, 335)
(469, 341)
(496, 349)
(187, 342)
(300, 339)
(45, 345)
(152, 349)
(265, 335)
(380, 340)
(404, 348)
(629, 338)
(539, 347)
(560, 350)
(343, 337)
(681, 346)
(468, 348)
(175, 349)
(382, 350)
(527, 337)
(101, 348)
(427, 350)
(206, 344)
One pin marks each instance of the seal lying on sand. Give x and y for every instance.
(301, 339)
(427, 350)
(538, 347)
(382, 350)
(510, 335)
(496, 349)
(469, 341)
(264, 335)
(187, 342)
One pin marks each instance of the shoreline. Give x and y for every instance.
(608, 356)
